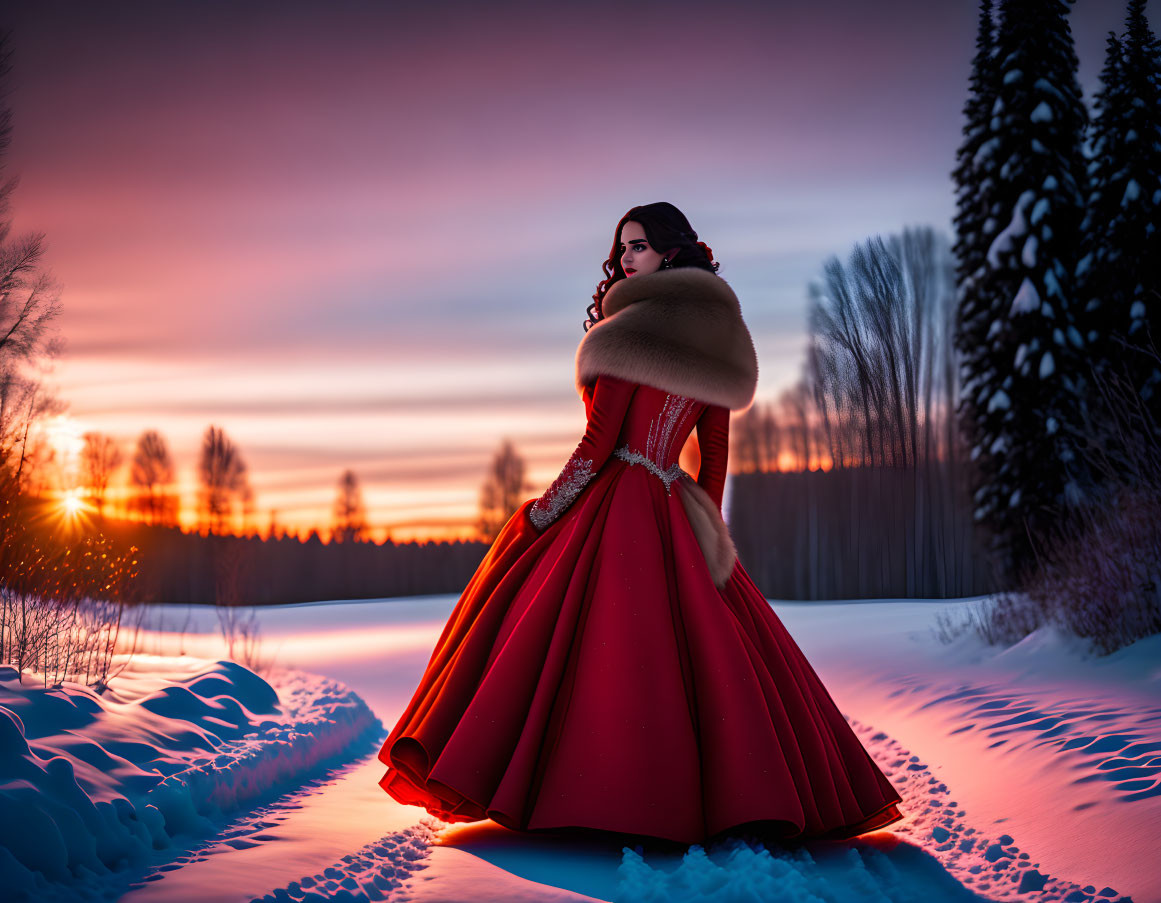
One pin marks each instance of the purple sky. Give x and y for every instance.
(356, 236)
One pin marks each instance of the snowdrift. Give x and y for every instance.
(91, 783)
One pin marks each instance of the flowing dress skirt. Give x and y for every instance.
(593, 676)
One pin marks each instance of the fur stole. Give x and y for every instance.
(678, 330)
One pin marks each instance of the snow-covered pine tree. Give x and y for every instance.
(1118, 272)
(1027, 381)
(974, 174)
(975, 188)
(1095, 282)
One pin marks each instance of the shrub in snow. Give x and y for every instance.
(1102, 577)
(999, 620)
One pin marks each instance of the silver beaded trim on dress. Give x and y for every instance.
(662, 429)
(667, 476)
(566, 487)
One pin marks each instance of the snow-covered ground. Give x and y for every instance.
(1028, 774)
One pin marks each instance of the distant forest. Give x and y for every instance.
(847, 533)
(248, 570)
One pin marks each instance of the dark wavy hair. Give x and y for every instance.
(665, 228)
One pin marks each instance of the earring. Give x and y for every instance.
(665, 264)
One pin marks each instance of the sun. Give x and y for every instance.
(72, 504)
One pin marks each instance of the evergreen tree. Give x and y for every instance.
(350, 513)
(1118, 272)
(975, 189)
(974, 176)
(1024, 384)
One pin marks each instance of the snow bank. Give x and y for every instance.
(92, 783)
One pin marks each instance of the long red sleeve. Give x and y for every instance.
(713, 440)
(606, 412)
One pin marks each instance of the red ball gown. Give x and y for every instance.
(610, 665)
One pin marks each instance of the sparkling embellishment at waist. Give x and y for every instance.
(667, 476)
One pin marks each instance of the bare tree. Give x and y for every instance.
(29, 308)
(222, 474)
(884, 368)
(755, 440)
(100, 458)
(350, 520)
(799, 425)
(151, 476)
(744, 453)
(881, 358)
(500, 495)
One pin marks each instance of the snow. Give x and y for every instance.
(1044, 86)
(1051, 425)
(170, 746)
(1027, 298)
(1040, 211)
(999, 401)
(738, 871)
(1132, 192)
(983, 153)
(1025, 773)
(1137, 311)
(1028, 255)
(1042, 113)
(375, 870)
(1012, 75)
(1015, 229)
(1051, 284)
(1047, 365)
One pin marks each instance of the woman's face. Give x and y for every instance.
(637, 256)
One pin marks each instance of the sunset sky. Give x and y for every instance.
(364, 234)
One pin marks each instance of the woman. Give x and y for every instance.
(610, 665)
